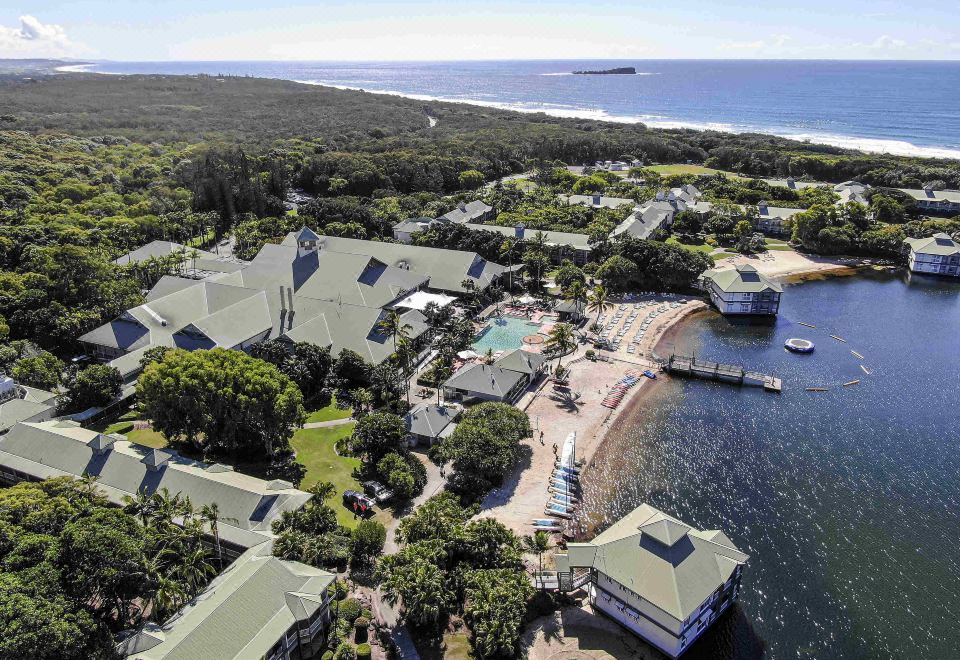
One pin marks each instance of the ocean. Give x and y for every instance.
(905, 108)
(846, 500)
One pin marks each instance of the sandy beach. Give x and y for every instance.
(786, 263)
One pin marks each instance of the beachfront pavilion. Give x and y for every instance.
(936, 255)
(661, 579)
(742, 290)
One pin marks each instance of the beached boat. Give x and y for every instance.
(566, 500)
(558, 512)
(796, 345)
(546, 522)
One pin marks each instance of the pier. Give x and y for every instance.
(691, 367)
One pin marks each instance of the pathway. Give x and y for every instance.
(329, 423)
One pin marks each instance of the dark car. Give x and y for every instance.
(357, 501)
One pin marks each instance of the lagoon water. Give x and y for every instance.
(848, 501)
(906, 108)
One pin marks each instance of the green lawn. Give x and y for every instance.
(328, 413)
(457, 647)
(775, 244)
(699, 170)
(147, 437)
(315, 451)
(703, 247)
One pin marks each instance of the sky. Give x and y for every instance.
(155, 30)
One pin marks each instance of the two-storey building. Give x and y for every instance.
(659, 578)
(742, 290)
(938, 255)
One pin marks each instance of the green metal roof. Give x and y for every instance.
(666, 562)
(938, 244)
(741, 279)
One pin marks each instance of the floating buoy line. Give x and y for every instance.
(806, 346)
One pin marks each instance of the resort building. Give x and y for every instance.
(404, 231)
(475, 211)
(772, 220)
(563, 245)
(323, 290)
(937, 255)
(248, 506)
(428, 422)
(259, 607)
(598, 201)
(659, 578)
(660, 211)
(946, 202)
(569, 311)
(195, 263)
(19, 403)
(852, 191)
(505, 380)
(742, 290)
(792, 183)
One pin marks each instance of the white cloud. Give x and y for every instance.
(36, 39)
(886, 42)
(745, 45)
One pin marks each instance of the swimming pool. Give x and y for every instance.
(504, 333)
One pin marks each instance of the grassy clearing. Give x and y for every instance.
(699, 170)
(329, 413)
(315, 451)
(703, 247)
(456, 647)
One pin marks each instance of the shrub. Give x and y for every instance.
(363, 651)
(327, 655)
(349, 609)
(366, 614)
(367, 541)
(590, 354)
(346, 651)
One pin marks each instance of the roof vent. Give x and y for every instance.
(216, 468)
(156, 459)
(279, 484)
(102, 443)
(156, 317)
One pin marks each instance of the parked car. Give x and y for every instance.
(377, 491)
(362, 502)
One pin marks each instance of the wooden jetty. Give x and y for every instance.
(691, 367)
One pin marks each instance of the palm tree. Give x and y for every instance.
(362, 400)
(393, 325)
(560, 340)
(599, 301)
(193, 256)
(322, 490)
(194, 570)
(537, 545)
(141, 506)
(167, 598)
(506, 250)
(210, 514)
(577, 294)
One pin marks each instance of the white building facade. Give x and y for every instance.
(742, 291)
(936, 255)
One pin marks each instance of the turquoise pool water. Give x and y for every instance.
(504, 333)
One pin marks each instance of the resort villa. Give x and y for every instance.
(772, 220)
(475, 211)
(259, 607)
(505, 380)
(938, 255)
(660, 211)
(404, 231)
(945, 202)
(58, 448)
(20, 403)
(428, 422)
(659, 578)
(742, 290)
(563, 245)
(324, 290)
(598, 201)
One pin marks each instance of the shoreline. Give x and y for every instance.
(858, 144)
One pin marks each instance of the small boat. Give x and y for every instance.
(856, 354)
(838, 338)
(559, 512)
(560, 506)
(555, 529)
(546, 522)
(796, 345)
(809, 325)
(866, 370)
(649, 374)
(563, 469)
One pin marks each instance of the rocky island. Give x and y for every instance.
(623, 71)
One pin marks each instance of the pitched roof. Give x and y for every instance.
(931, 195)
(485, 379)
(446, 269)
(467, 212)
(522, 361)
(940, 244)
(744, 278)
(57, 448)
(429, 419)
(604, 202)
(307, 234)
(577, 241)
(241, 614)
(666, 562)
